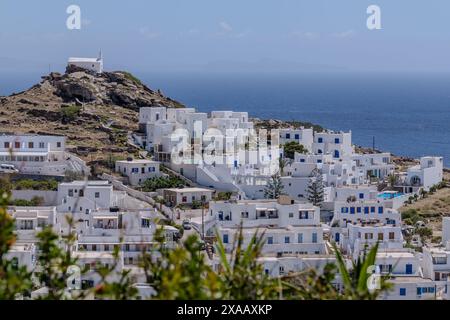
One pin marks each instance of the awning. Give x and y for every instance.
(105, 217)
(18, 153)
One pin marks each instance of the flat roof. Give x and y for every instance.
(141, 161)
(395, 254)
(76, 59)
(100, 183)
(182, 190)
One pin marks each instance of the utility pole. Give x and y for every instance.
(203, 220)
(373, 144)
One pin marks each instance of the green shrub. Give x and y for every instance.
(34, 202)
(28, 184)
(152, 184)
(70, 113)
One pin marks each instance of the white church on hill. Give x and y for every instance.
(93, 64)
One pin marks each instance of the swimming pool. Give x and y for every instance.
(390, 195)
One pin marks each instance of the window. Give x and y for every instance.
(302, 160)
(352, 210)
(319, 152)
(314, 237)
(6, 144)
(287, 240)
(184, 199)
(361, 195)
(372, 209)
(41, 145)
(244, 215)
(408, 268)
(81, 193)
(127, 247)
(300, 238)
(225, 238)
(303, 215)
(31, 145)
(288, 135)
(97, 195)
(291, 214)
(358, 209)
(344, 210)
(368, 236)
(320, 140)
(58, 144)
(70, 192)
(297, 136)
(366, 210)
(94, 247)
(380, 210)
(269, 240)
(17, 145)
(380, 237)
(391, 235)
(336, 154)
(106, 247)
(403, 291)
(336, 140)
(145, 223)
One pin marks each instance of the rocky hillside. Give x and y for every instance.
(95, 111)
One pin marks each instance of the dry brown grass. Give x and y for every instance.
(433, 207)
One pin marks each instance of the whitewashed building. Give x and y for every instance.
(425, 175)
(92, 64)
(138, 170)
(39, 155)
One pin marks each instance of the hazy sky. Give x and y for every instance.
(227, 35)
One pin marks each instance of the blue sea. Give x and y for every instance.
(408, 114)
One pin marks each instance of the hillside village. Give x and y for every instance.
(125, 159)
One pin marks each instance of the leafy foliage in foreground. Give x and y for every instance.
(182, 272)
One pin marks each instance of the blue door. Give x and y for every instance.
(337, 236)
(409, 269)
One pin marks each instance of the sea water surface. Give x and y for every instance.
(408, 114)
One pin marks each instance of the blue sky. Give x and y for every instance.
(227, 35)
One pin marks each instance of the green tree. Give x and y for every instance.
(274, 187)
(290, 148)
(315, 189)
(14, 280)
